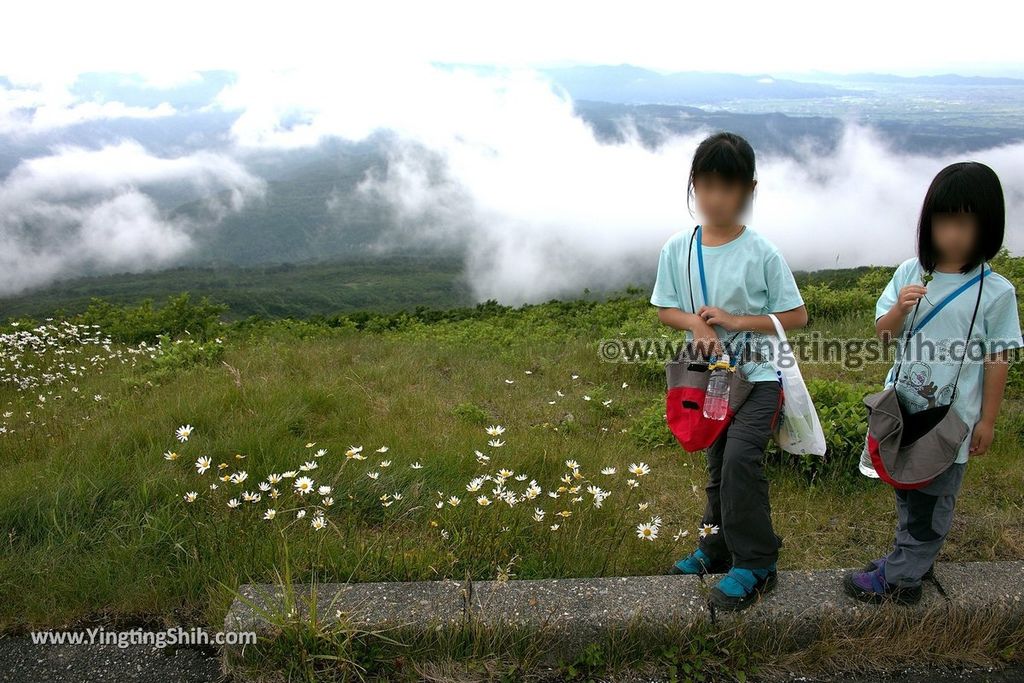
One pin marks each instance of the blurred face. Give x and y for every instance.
(954, 235)
(720, 201)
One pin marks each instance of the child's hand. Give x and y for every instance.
(909, 296)
(981, 437)
(713, 315)
(705, 339)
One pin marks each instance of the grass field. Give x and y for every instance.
(96, 526)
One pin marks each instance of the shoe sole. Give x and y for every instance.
(722, 601)
(897, 597)
(676, 571)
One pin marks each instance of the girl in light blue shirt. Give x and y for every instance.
(744, 278)
(960, 229)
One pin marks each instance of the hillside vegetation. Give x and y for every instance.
(479, 441)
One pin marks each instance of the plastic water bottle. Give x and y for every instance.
(716, 399)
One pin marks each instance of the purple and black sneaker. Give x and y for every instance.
(869, 585)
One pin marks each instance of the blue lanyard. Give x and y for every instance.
(700, 267)
(942, 304)
(704, 287)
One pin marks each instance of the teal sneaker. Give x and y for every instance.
(741, 587)
(699, 563)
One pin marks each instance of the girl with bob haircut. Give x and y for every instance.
(960, 228)
(746, 278)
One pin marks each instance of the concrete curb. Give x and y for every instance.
(574, 612)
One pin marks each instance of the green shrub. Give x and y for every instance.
(823, 301)
(472, 413)
(844, 421)
(176, 355)
(650, 429)
(134, 324)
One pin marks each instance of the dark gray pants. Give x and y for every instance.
(924, 517)
(737, 487)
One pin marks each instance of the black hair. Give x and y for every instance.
(968, 187)
(727, 155)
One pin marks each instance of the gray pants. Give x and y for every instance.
(924, 517)
(737, 488)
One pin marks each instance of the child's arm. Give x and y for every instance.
(890, 324)
(704, 337)
(793, 318)
(996, 368)
(1002, 331)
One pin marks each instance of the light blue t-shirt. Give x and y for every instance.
(745, 276)
(926, 379)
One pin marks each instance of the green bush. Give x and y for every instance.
(472, 413)
(144, 323)
(650, 429)
(823, 301)
(844, 421)
(175, 355)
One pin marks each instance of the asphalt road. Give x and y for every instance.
(22, 661)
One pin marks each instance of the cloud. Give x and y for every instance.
(80, 210)
(503, 168)
(496, 165)
(34, 109)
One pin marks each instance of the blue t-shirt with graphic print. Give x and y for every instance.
(926, 378)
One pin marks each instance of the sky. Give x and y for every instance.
(54, 39)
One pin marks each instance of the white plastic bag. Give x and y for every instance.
(799, 431)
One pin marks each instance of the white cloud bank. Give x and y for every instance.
(501, 166)
(34, 108)
(80, 210)
(498, 166)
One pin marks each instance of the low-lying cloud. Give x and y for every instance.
(496, 165)
(543, 209)
(84, 211)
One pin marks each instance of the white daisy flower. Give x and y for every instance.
(639, 469)
(303, 485)
(646, 531)
(708, 530)
(183, 433)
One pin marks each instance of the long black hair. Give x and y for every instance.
(727, 155)
(968, 187)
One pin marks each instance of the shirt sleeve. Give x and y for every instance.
(1002, 323)
(783, 294)
(666, 292)
(891, 293)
